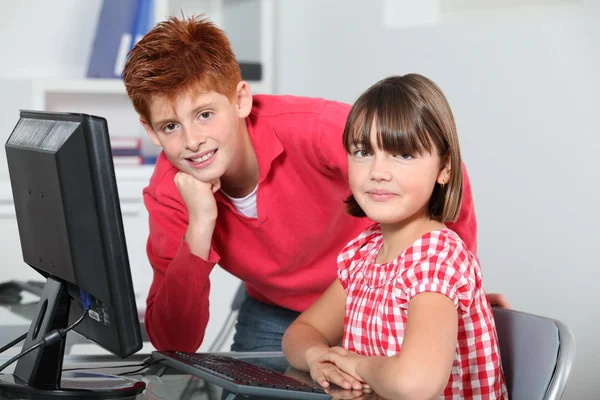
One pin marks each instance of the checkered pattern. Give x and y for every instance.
(378, 297)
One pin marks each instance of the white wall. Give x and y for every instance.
(46, 38)
(524, 88)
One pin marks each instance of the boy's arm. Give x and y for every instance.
(178, 302)
(466, 224)
(316, 329)
(422, 369)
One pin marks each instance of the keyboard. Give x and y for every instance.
(238, 376)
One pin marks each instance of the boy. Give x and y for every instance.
(256, 184)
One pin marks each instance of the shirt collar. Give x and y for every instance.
(266, 144)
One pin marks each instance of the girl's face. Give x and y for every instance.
(393, 188)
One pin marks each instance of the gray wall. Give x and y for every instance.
(524, 89)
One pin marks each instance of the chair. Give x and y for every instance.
(537, 354)
(230, 321)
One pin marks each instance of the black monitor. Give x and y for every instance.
(71, 230)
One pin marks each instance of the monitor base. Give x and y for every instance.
(75, 385)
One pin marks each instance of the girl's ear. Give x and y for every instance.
(444, 174)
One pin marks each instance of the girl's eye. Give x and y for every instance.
(170, 127)
(205, 115)
(360, 153)
(404, 156)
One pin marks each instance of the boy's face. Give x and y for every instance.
(200, 133)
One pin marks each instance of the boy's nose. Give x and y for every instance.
(193, 139)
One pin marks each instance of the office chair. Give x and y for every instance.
(537, 354)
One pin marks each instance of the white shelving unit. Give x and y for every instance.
(107, 98)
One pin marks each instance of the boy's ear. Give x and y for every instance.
(150, 131)
(243, 99)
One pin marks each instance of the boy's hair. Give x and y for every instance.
(411, 116)
(179, 55)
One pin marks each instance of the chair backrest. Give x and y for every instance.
(537, 354)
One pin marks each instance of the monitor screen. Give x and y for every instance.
(71, 231)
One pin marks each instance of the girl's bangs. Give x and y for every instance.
(396, 121)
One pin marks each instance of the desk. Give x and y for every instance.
(169, 384)
(161, 382)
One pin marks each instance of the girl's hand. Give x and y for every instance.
(325, 373)
(345, 360)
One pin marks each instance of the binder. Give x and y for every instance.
(119, 24)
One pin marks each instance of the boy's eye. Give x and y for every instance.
(404, 156)
(205, 115)
(360, 153)
(170, 127)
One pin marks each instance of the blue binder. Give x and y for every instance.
(121, 22)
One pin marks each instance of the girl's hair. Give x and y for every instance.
(178, 55)
(411, 116)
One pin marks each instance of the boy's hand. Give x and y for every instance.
(498, 300)
(198, 197)
(202, 212)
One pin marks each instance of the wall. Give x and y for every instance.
(523, 84)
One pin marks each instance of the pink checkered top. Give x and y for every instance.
(378, 297)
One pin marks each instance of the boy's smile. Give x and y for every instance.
(203, 159)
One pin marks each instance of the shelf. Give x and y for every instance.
(104, 86)
(93, 86)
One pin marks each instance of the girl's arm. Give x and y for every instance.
(422, 368)
(316, 329)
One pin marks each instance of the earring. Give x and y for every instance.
(443, 184)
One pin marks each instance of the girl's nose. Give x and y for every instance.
(380, 170)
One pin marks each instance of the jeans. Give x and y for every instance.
(260, 327)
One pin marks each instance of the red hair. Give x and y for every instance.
(179, 55)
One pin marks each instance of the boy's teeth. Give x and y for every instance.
(203, 158)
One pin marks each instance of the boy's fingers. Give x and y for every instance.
(216, 185)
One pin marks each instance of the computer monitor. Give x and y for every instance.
(71, 231)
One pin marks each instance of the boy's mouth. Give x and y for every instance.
(199, 158)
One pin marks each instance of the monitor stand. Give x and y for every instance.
(38, 375)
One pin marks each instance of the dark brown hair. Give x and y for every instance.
(178, 55)
(411, 116)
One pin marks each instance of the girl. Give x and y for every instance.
(409, 306)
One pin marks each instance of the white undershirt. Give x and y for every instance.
(245, 205)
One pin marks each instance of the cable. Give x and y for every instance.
(11, 344)
(134, 371)
(49, 338)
